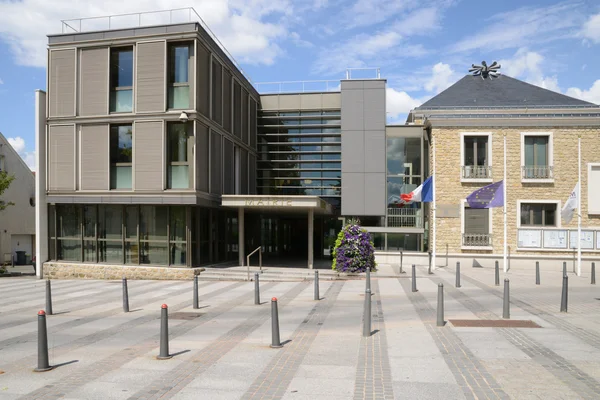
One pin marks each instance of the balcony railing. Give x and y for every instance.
(404, 218)
(477, 240)
(537, 172)
(476, 172)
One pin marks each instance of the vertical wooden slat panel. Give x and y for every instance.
(227, 100)
(203, 81)
(215, 163)
(237, 109)
(61, 157)
(148, 155)
(251, 174)
(94, 81)
(150, 77)
(244, 116)
(244, 171)
(253, 107)
(217, 95)
(228, 177)
(94, 157)
(61, 84)
(202, 157)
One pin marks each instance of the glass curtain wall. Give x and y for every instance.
(403, 176)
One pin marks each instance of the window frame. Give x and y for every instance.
(112, 88)
(550, 156)
(190, 154)
(591, 210)
(490, 152)
(170, 67)
(121, 164)
(558, 218)
(463, 206)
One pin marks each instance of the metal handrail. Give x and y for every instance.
(476, 172)
(259, 249)
(477, 239)
(300, 86)
(376, 69)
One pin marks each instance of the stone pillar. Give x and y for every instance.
(41, 207)
(311, 226)
(241, 239)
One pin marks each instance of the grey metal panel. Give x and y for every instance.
(237, 109)
(374, 151)
(353, 84)
(253, 126)
(94, 81)
(203, 79)
(251, 174)
(181, 28)
(244, 117)
(352, 110)
(228, 177)
(148, 151)
(154, 30)
(332, 100)
(289, 101)
(353, 156)
(269, 102)
(217, 94)
(90, 36)
(191, 75)
(374, 194)
(227, 104)
(61, 83)
(374, 84)
(313, 101)
(353, 189)
(150, 77)
(202, 157)
(61, 157)
(119, 34)
(244, 171)
(216, 176)
(94, 157)
(374, 109)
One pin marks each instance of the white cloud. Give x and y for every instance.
(298, 41)
(592, 94)
(1, 82)
(442, 76)
(525, 26)
(399, 103)
(250, 29)
(591, 29)
(528, 65)
(18, 143)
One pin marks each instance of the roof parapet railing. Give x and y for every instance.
(298, 86)
(135, 20)
(376, 70)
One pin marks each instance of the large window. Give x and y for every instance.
(537, 157)
(476, 227)
(179, 72)
(538, 214)
(403, 159)
(179, 150)
(476, 157)
(110, 234)
(68, 231)
(121, 79)
(121, 156)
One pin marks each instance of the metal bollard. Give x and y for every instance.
(256, 289)
(430, 257)
(48, 298)
(164, 333)
(506, 308)
(440, 306)
(196, 304)
(564, 268)
(537, 272)
(497, 274)
(125, 296)
(593, 273)
(564, 298)
(368, 283)
(457, 284)
(367, 314)
(414, 278)
(401, 260)
(43, 363)
(316, 295)
(275, 341)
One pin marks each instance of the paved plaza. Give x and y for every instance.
(221, 351)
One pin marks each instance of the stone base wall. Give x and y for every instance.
(62, 270)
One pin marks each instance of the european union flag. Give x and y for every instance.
(488, 196)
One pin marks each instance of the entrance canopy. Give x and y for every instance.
(299, 204)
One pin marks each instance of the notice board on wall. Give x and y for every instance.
(530, 238)
(587, 239)
(555, 239)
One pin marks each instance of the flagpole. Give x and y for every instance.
(579, 207)
(504, 257)
(434, 206)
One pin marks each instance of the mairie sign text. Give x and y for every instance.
(269, 203)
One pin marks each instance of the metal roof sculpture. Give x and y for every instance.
(485, 71)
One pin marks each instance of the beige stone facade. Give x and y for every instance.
(63, 270)
(450, 191)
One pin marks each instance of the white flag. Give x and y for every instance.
(570, 205)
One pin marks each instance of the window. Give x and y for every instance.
(537, 156)
(121, 79)
(121, 156)
(476, 227)
(403, 158)
(179, 155)
(538, 214)
(476, 156)
(179, 68)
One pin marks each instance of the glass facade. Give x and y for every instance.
(142, 234)
(121, 79)
(121, 156)
(300, 154)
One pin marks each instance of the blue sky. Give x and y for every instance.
(422, 47)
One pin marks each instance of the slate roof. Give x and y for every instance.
(504, 91)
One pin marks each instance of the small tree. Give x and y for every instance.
(5, 181)
(354, 251)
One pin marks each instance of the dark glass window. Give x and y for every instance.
(179, 149)
(121, 156)
(535, 214)
(179, 85)
(121, 79)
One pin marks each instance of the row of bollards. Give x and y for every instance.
(457, 283)
(497, 274)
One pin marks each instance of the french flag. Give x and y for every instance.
(424, 193)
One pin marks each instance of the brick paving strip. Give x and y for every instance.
(183, 374)
(471, 375)
(116, 360)
(577, 380)
(373, 371)
(32, 336)
(278, 374)
(585, 335)
(61, 350)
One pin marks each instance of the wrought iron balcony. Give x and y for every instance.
(537, 172)
(477, 240)
(476, 172)
(404, 217)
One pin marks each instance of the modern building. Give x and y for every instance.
(17, 221)
(154, 149)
